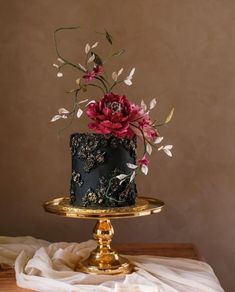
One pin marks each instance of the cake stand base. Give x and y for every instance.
(104, 260)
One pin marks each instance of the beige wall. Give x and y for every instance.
(184, 52)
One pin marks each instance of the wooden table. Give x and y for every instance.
(182, 250)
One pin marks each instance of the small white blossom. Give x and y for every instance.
(60, 60)
(87, 48)
(129, 78)
(143, 105)
(63, 111)
(91, 59)
(166, 149)
(56, 66)
(57, 117)
(149, 149)
(95, 45)
(132, 166)
(152, 104)
(121, 176)
(59, 74)
(79, 113)
(158, 140)
(144, 169)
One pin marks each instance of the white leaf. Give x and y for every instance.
(160, 148)
(168, 152)
(168, 147)
(114, 76)
(60, 60)
(153, 103)
(59, 74)
(143, 105)
(82, 67)
(121, 176)
(62, 111)
(128, 82)
(95, 45)
(91, 59)
(132, 176)
(149, 148)
(132, 166)
(132, 72)
(87, 48)
(144, 169)
(120, 71)
(82, 101)
(55, 118)
(55, 65)
(79, 113)
(158, 140)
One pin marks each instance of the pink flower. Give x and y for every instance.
(143, 161)
(111, 115)
(144, 164)
(90, 75)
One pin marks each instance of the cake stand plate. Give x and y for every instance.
(103, 260)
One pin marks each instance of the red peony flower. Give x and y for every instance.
(90, 75)
(114, 114)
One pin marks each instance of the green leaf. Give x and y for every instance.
(169, 117)
(108, 37)
(97, 59)
(119, 53)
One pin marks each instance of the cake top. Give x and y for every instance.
(111, 113)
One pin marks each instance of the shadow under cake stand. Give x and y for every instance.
(104, 260)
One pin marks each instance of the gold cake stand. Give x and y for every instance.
(104, 260)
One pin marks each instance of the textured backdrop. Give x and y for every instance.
(184, 54)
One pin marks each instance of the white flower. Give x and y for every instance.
(129, 78)
(143, 105)
(56, 66)
(63, 111)
(152, 104)
(95, 45)
(79, 113)
(60, 60)
(59, 74)
(149, 148)
(166, 149)
(132, 176)
(87, 48)
(132, 166)
(91, 59)
(158, 140)
(144, 169)
(115, 75)
(57, 117)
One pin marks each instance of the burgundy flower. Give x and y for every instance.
(90, 75)
(111, 115)
(143, 161)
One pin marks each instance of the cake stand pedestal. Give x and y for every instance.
(104, 260)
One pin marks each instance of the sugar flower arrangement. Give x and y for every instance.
(112, 113)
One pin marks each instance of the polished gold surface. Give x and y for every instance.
(143, 206)
(103, 260)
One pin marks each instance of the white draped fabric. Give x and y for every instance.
(49, 267)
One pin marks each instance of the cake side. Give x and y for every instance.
(96, 161)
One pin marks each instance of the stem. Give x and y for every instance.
(115, 83)
(97, 87)
(101, 80)
(142, 133)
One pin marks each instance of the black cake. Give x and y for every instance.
(96, 161)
